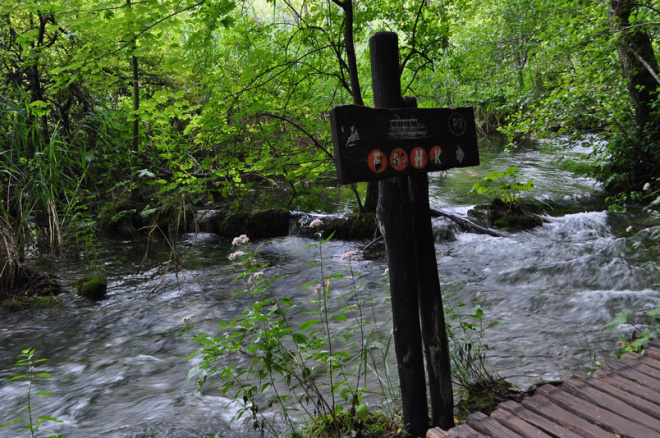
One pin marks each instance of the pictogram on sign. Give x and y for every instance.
(418, 158)
(436, 152)
(399, 159)
(377, 161)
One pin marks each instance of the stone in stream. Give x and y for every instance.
(94, 288)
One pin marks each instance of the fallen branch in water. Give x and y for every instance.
(466, 224)
(463, 223)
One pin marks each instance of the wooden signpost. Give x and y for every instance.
(398, 144)
(375, 143)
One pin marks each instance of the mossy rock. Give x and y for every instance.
(28, 302)
(485, 396)
(257, 225)
(349, 227)
(511, 217)
(94, 288)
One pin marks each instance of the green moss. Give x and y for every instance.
(20, 303)
(362, 423)
(93, 288)
(485, 396)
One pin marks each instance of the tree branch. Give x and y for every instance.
(301, 129)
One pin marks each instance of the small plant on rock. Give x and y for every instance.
(503, 185)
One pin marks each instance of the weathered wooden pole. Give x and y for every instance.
(431, 310)
(395, 221)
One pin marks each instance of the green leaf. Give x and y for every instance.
(307, 324)
(16, 420)
(17, 378)
(362, 411)
(47, 418)
(619, 318)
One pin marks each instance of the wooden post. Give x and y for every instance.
(431, 310)
(395, 223)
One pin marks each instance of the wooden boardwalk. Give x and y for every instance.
(621, 399)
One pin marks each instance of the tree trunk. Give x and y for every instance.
(135, 140)
(371, 197)
(640, 70)
(638, 63)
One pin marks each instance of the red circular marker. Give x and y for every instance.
(399, 159)
(377, 161)
(418, 158)
(436, 152)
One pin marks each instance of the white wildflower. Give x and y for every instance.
(240, 240)
(187, 320)
(386, 272)
(318, 288)
(256, 276)
(348, 255)
(629, 229)
(236, 255)
(315, 223)
(646, 186)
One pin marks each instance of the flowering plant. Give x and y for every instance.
(318, 367)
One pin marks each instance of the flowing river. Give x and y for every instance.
(120, 366)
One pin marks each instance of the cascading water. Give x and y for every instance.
(119, 365)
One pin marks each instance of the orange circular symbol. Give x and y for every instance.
(377, 161)
(418, 158)
(399, 159)
(436, 152)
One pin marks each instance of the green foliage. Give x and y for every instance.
(26, 360)
(642, 336)
(42, 179)
(503, 185)
(321, 368)
(235, 95)
(465, 330)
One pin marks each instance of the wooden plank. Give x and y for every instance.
(626, 371)
(653, 350)
(489, 426)
(543, 423)
(545, 406)
(584, 391)
(650, 358)
(514, 423)
(640, 366)
(628, 385)
(629, 398)
(653, 354)
(647, 361)
(602, 417)
(436, 432)
(464, 431)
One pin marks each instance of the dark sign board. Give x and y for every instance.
(376, 143)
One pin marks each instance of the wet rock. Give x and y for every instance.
(263, 224)
(347, 227)
(94, 288)
(22, 286)
(499, 214)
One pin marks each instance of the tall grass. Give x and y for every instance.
(41, 180)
